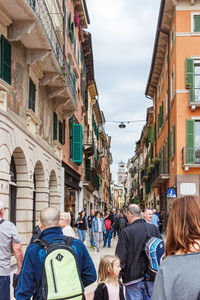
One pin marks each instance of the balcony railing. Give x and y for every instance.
(88, 138)
(42, 12)
(191, 156)
(70, 83)
(160, 173)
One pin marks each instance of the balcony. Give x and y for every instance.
(88, 143)
(159, 174)
(30, 22)
(90, 180)
(190, 157)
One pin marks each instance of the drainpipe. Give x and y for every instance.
(167, 33)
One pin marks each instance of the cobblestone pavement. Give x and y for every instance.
(96, 256)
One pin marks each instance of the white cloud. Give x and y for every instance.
(123, 34)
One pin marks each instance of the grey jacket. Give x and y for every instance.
(178, 278)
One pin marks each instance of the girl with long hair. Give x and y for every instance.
(178, 276)
(109, 287)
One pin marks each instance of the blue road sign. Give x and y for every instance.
(171, 193)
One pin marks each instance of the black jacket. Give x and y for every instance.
(101, 292)
(130, 249)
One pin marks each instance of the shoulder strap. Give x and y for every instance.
(44, 244)
(69, 240)
(1, 221)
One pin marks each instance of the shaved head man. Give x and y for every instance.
(49, 217)
(30, 282)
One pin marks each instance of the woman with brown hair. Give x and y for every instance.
(179, 275)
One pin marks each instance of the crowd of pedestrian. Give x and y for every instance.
(55, 257)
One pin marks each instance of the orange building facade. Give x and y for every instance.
(174, 87)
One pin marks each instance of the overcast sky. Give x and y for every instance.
(123, 33)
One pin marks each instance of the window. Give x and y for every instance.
(32, 90)
(55, 126)
(71, 121)
(192, 81)
(196, 25)
(166, 103)
(172, 84)
(197, 81)
(12, 191)
(192, 141)
(158, 91)
(166, 157)
(60, 128)
(5, 60)
(75, 141)
(172, 141)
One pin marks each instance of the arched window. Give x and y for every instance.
(12, 191)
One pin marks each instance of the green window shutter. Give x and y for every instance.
(55, 125)
(173, 139)
(77, 144)
(166, 156)
(149, 133)
(196, 23)
(162, 161)
(190, 142)
(60, 127)
(31, 103)
(78, 58)
(63, 132)
(5, 60)
(189, 77)
(73, 38)
(171, 146)
(74, 45)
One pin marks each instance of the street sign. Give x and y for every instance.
(171, 192)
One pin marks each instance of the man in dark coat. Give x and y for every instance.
(130, 250)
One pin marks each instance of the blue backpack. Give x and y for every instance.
(154, 249)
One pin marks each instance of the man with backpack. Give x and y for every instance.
(131, 251)
(54, 266)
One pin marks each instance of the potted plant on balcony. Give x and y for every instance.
(76, 19)
(155, 160)
(150, 168)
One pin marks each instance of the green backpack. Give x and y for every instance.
(61, 278)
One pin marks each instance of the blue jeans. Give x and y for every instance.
(108, 237)
(92, 239)
(5, 287)
(81, 234)
(137, 291)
